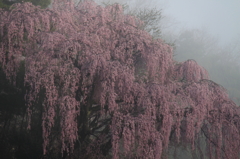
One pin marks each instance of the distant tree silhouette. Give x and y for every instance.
(104, 88)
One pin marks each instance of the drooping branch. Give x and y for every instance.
(99, 74)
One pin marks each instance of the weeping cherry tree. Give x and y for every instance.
(108, 88)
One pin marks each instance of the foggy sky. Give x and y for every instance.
(220, 17)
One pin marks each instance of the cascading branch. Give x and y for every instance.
(84, 57)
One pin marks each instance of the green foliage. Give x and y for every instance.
(3, 5)
(43, 3)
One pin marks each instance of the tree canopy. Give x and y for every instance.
(102, 87)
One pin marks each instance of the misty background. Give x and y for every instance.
(206, 31)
